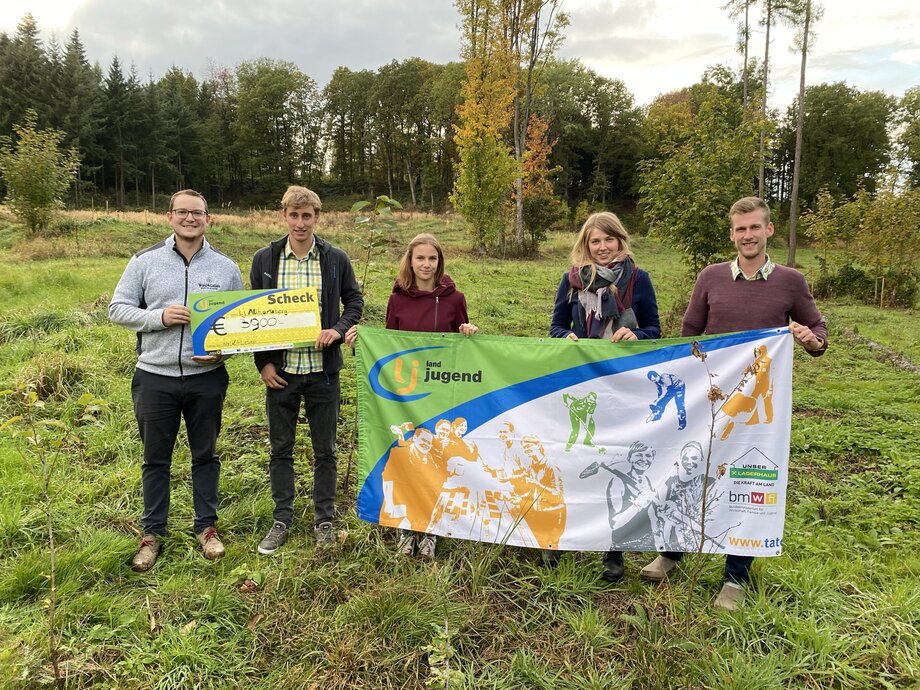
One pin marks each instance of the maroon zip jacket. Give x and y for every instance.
(440, 311)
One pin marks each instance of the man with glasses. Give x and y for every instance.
(748, 293)
(170, 382)
(306, 375)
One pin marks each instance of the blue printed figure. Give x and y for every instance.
(669, 387)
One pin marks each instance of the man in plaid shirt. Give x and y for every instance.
(308, 374)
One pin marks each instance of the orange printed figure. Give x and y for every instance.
(456, 445)
(412, 480)
(758, 406)
(442, 430)
(539, 486)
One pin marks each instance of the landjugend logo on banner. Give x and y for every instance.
(400, 381)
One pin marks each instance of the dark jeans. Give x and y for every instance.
(737, 568)
(320, 395)
(159, 403)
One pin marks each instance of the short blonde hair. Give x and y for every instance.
(406, 276)
(611, 226)
(297, 197)
(746, 205)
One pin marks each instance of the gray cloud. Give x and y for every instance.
(652, 45)
(637, 51)
(317, 36)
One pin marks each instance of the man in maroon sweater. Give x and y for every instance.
(748, 293)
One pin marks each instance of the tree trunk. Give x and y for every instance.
(747, 40)
(387, 160)
(763, 105)
(518, 135)
(799, 128)
(411, 179)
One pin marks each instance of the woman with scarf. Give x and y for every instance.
(425, 299)
(604, 295)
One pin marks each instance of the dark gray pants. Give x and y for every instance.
(320, 395)
(159, 404)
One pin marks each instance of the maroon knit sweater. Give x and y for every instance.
(722, 305)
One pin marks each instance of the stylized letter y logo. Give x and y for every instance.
(413, 377)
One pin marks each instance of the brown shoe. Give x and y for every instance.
(211, 545)
(657, 570)
(729, 598)
(146, 554)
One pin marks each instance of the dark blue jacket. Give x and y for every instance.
(644, 305)
(339, 285)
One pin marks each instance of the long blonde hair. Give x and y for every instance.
(406, 277)
(611, 226)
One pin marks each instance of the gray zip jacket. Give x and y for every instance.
(155, 278)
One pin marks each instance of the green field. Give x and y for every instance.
(839, 609)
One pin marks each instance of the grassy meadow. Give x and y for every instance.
(839, 609)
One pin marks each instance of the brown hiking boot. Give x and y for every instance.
(211, 545)
(146, 554)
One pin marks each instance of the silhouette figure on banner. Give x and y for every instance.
(581, 416)
(630, 498)
(669, 387)
(758, 406)
(678, 510)
(412, 478)
(540, 490)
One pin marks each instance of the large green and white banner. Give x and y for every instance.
(587, 446)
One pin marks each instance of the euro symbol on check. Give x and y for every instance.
(218, 327)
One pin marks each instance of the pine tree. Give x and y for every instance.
(24, 77)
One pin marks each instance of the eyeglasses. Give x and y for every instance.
(183, 212)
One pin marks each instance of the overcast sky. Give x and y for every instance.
(653, 46)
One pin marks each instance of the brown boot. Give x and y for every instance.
(657, 570)
(211, 545)
(146, 554)
(729, 598)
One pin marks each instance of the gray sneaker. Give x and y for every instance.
(276, 536)
(426, 546)
(325, 537)
(406, 545)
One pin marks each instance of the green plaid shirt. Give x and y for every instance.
(761, 273)
(298, 273)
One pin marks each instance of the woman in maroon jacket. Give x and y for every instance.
(425, 299)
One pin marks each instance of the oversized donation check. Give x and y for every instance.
(253, 320)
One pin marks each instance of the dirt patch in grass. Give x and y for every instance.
(883, 353)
